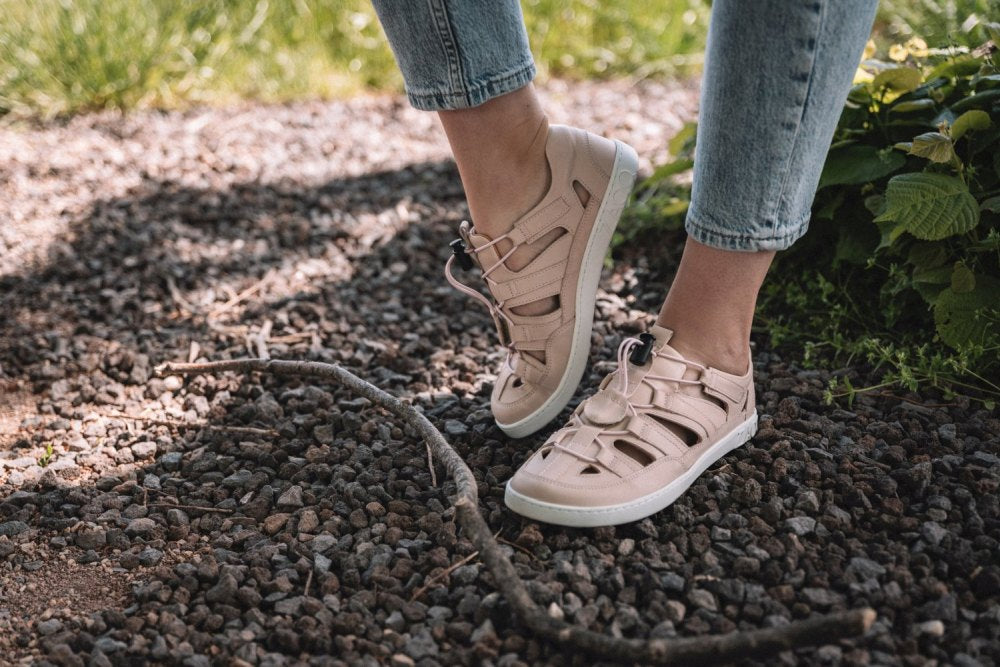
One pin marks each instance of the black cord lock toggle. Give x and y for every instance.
(640, 354)
(464, 261)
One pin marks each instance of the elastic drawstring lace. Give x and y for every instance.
(624, 349)
(496, 309)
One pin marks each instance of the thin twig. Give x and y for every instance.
(706, 649)
(430, 464)
(220, 510)
(250, 291)
(515, 545)
(176, 423)
(178, 298)
(441, 575)
(309, 580)
(259, 340)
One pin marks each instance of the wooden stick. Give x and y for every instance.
(250, 291)
(176, 423)
(309, 580)
(711, 649)
(220, 510)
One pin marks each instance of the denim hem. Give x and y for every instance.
(721, 236)
(474, 94)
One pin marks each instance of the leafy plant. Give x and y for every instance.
(901, 266)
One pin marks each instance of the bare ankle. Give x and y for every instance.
(725, 353)
(513, 185)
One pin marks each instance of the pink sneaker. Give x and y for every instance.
(636, 445)
(547, 354)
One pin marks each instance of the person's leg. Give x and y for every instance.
(711, 303)
(544, 200)
(470, 62)
(499, 148)
(777, 73)
(776, 76)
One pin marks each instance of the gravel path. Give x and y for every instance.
(255, 521)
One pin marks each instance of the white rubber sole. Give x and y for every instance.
(612, 515)
(619, 188)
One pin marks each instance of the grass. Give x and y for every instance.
(66, 56)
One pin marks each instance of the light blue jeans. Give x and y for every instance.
(776, 76)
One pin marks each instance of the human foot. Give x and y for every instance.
(635, 446)
(544, 309)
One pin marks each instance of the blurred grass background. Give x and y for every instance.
(65, 56)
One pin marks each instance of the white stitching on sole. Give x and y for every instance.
(619, 187)
(612, 515)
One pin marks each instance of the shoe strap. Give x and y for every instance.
(536, 333)
(652, 432)
(717, 385)
(539, 222)
(528, 287)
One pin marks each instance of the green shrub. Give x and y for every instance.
(901, 266)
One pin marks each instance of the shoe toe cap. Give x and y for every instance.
(513, 399)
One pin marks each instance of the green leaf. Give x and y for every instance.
(889, 231)
(898, 79)
(960, 317)
(856, 242)
(674, 207)
(859, 94)
(993, 30)
(992, 204)
(875, 204)
(913, 105)
(962, 279)
(684, 139)
(984, 99)
(928, 292)
(930, 206)
(940, 275)
(828, 209)
(972, 120)
(934, 146)
(927, 255)
(962, 66)
(854, 164)
(669, 169)
(986, 78)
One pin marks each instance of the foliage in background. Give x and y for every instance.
(64, 56)
(596, 38)
(901, 267)
(939, 22)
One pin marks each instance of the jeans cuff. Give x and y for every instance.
(474, 93)
(723, 237)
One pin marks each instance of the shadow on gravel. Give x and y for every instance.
(264, 521)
